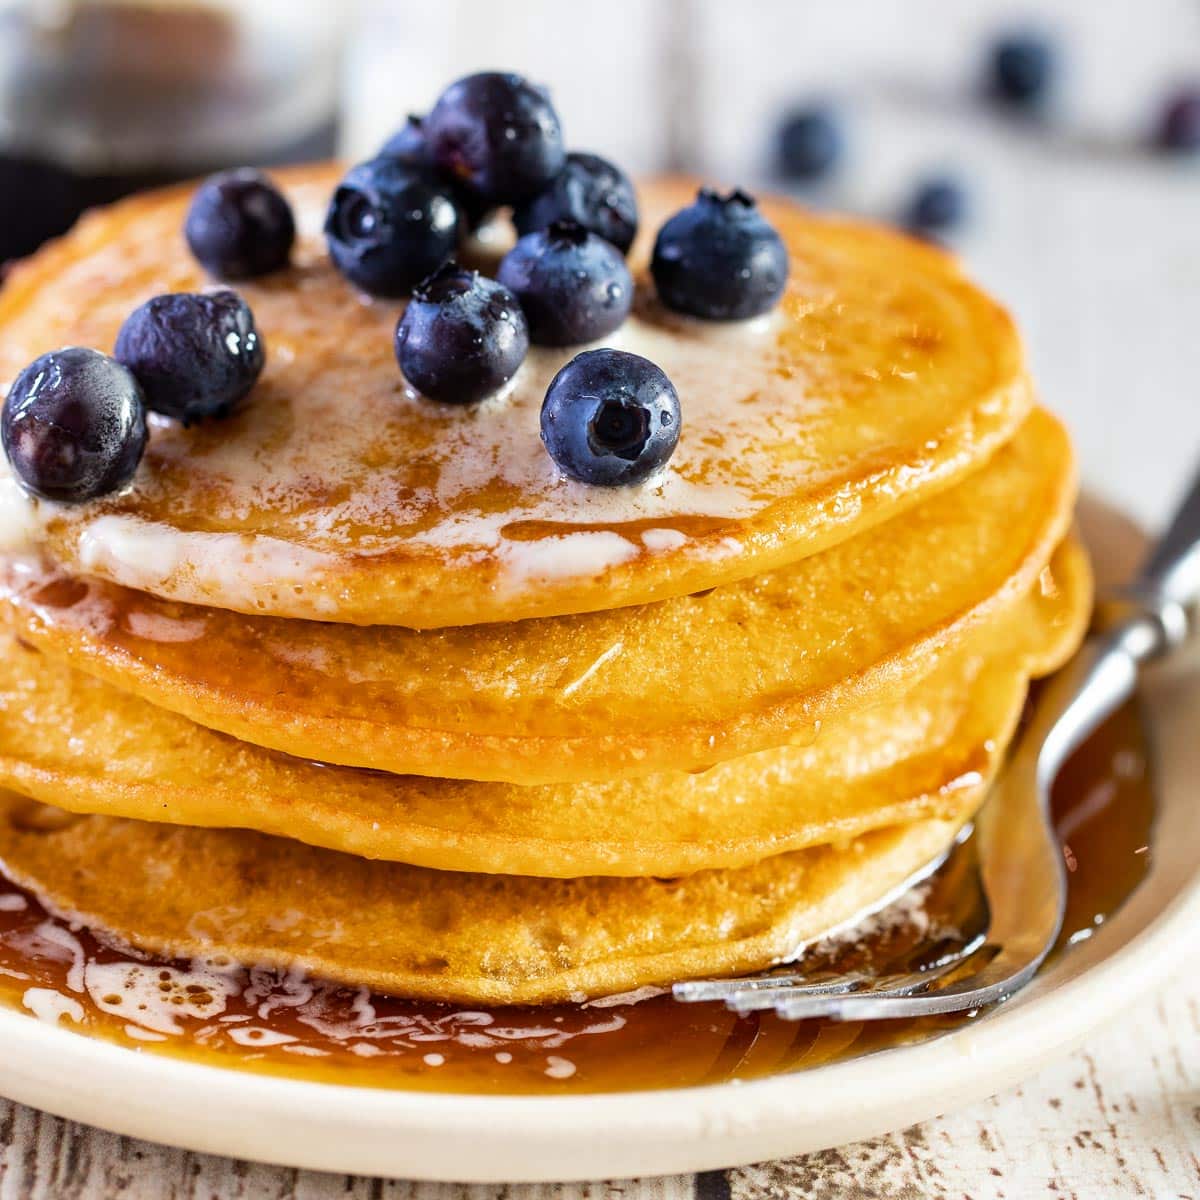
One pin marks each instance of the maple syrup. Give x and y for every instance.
(288, 1024)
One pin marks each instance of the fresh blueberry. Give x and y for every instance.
(720, 259)
(573, 285)
(407, 144)
(497, 134)
(1179, 130)
(1021, 69)
(590, 191)
(462, 336)
(810, 143)
(937, 206)
(389, 225)
(610, 418)
(239, 226)
(74, 425)
(196, 355)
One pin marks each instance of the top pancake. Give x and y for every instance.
(337, 495)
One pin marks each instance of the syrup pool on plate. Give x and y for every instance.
(285, 1023)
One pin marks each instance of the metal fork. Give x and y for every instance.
(1020, 858)
(964, 920)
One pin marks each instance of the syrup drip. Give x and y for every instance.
(289, 1024)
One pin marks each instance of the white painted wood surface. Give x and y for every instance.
(1097, 248)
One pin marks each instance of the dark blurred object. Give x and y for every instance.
(101, 99)
(1179, 130)
(938, 206)
(1021, 70)
(810, 143)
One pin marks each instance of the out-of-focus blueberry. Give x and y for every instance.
(1021, 69)
(1179, 128)
(810, 143)
(937, 206)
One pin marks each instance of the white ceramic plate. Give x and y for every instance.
(503, 1139)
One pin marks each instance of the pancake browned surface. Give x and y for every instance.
(748, 666)
(498, 939)
(79, 743)
(883, 376)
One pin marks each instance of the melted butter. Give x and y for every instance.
(156, 553)
(19, 524)
(286, 1023)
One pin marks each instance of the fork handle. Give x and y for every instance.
(1012, 858)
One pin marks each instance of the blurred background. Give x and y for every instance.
(1055, 144)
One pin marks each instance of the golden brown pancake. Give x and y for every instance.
(496, 939)
(84, 745)
(77, 742)
(883, 377)
(678, 685)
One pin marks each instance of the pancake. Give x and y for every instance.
(678, 685)
(79, 743)
(477, 939)
(883, 377)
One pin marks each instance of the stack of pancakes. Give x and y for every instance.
(359, 683)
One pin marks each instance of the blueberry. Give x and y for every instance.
(239, 226)
(720, 259)
(810, 143)
(195, 355)
(1179, 130)
(74, 425)
(389, 225)
(1021, 69)
(407, 144)
(462, 336)
(610, 418)
(590, 191)
(937, 206)
(573, 285)
(497, 134)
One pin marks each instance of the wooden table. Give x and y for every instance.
(1121, 1118)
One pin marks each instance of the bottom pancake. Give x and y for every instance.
(410, 931)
